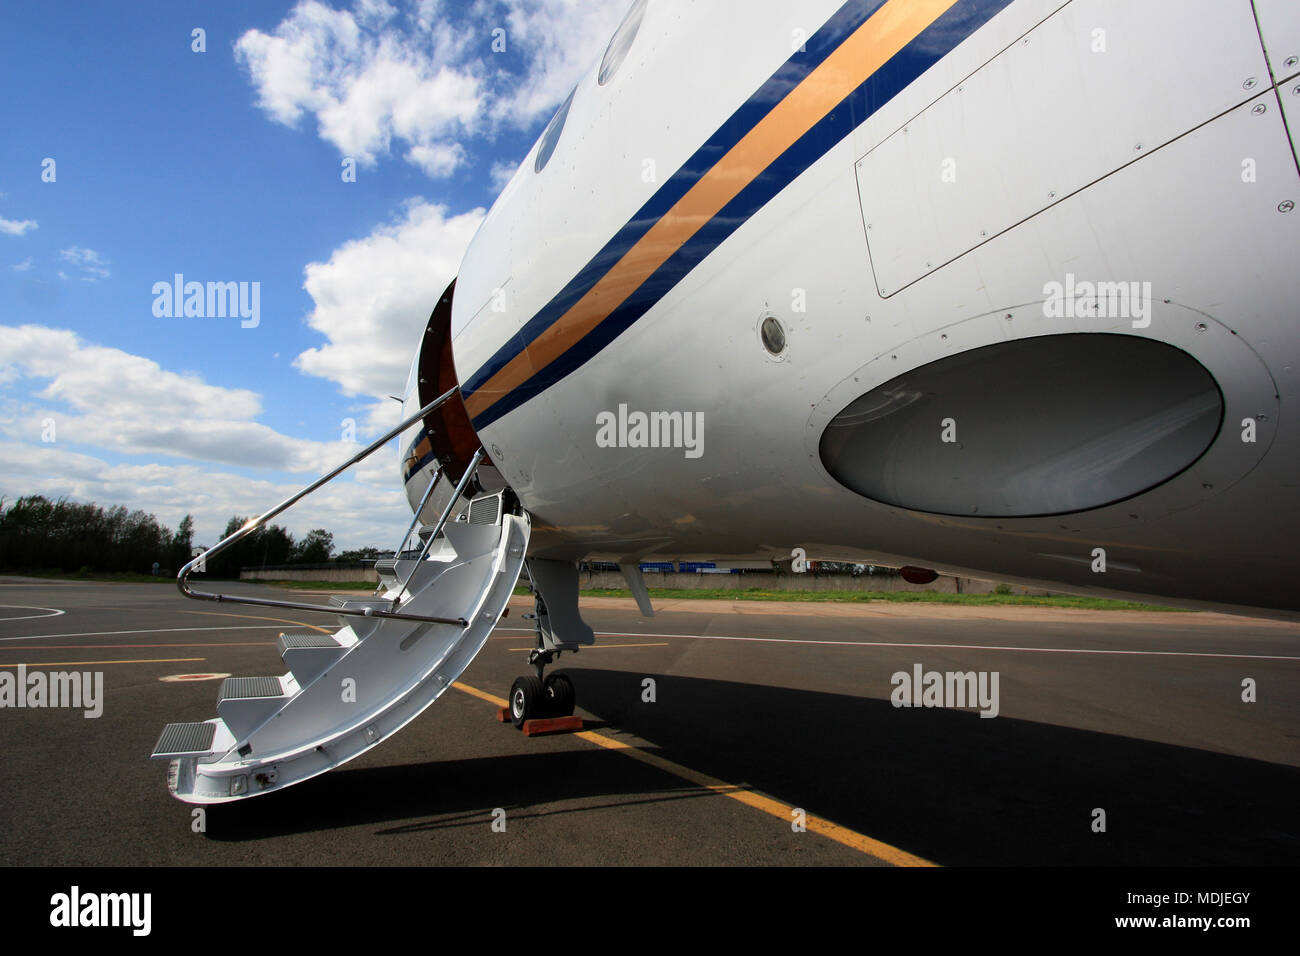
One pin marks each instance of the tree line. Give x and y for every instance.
(37, 534)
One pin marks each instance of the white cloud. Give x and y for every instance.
(427, 80)
(79, 256)
(374, 295)
(367, 79)
(437, 160)
(382, 415)
(502, 173)
(24, 266)
(91, 264)
(562, 39)
(101, 398)
(112, 399)
(16, 227)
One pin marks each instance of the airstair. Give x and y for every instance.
(396, 652)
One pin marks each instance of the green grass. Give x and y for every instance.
(866, 597)
(322, 585)
(684, 594)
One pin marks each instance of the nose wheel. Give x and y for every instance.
(525, 700)
(532, 698)
(558, 695)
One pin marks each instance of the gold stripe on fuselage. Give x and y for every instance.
(868, 48)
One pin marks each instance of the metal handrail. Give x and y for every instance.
(424, 500)
(446, 513)
(182, 583)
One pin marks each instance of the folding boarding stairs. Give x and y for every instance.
(395, 654)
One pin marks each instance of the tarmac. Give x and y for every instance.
(769, 735)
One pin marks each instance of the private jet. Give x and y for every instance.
(997, 288)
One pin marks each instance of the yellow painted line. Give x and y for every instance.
(162, 660)
(480, 694)
(833, 831)
(598, 647)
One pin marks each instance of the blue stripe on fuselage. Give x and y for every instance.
(927, 48)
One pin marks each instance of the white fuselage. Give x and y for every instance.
(993, 162)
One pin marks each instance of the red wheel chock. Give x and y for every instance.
(551, 725)
(543, 725)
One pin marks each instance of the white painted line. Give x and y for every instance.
(959, 647)
(54, 612)
(152, 630)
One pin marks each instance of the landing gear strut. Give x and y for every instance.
(543, 695)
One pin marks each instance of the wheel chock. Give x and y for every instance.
(503, 715)
(551, 725)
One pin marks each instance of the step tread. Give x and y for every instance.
(293, 641)
(180, 740)
(485, 509)
(238, 688)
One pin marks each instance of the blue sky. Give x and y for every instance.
(225, 166)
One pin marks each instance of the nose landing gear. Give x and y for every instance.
(550, 696)
(538, 697)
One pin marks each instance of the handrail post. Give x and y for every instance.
(424, 500)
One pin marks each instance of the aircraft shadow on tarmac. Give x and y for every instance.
(458, 793)
(946, 785)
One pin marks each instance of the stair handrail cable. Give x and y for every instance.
(182, 582)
